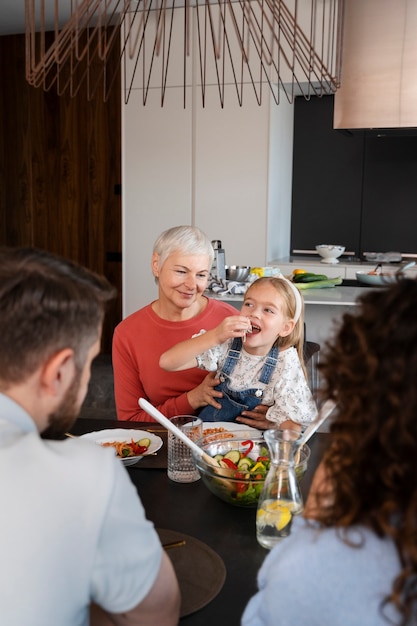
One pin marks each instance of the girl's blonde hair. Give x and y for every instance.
(286, 291)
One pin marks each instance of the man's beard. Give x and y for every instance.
(61, 420)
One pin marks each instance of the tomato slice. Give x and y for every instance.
(136, 449)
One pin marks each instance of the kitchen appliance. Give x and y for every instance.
(218, 268)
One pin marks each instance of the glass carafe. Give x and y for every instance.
(281, 497)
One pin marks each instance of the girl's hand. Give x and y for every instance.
(205, 393)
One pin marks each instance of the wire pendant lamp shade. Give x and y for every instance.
(265, 46)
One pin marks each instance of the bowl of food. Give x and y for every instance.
(242, 465)
(240, 273)
(376, 280)
(330, 253)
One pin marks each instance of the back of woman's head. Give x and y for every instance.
(370, 370)
(188, 240)
(47, 303)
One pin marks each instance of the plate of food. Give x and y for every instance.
(130, 444)
(225, 430)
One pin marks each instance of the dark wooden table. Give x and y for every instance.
(193, 510)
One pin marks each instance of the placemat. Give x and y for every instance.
(200, 571)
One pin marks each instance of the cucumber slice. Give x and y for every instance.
(218, 458)
(233, 455)
(144, 442)
(245, 464)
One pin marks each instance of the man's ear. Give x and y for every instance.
(58, 372)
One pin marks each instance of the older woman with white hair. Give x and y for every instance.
(181, 261)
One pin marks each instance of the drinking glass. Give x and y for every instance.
(181, 468)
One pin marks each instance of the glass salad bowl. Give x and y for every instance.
(243, 464)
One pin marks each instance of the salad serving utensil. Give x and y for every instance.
(326, 409)
(156, 414)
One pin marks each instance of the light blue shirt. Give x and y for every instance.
(72, 529)
(312, 578)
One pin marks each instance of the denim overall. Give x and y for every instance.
(234, 402)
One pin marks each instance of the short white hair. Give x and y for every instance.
(183, 239)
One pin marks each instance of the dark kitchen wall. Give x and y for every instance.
(355, 189)
(60, 171)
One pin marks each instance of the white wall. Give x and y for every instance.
(281, 135)
(156, 187)
(226, 170)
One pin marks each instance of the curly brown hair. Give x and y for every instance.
(370, 371)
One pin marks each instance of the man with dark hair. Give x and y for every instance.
(73, 532)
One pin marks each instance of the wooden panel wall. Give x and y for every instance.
(60, 169)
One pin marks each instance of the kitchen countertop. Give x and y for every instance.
(343, 261)
(346, 268)
(333, 296)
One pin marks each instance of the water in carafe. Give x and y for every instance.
(281, 497)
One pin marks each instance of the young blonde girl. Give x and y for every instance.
(258, 355)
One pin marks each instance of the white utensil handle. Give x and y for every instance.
(323, 414)
(149, 408)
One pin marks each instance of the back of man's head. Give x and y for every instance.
(47, 303)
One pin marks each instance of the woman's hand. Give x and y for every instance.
(256, 418)
(205, 393)
(231, 327)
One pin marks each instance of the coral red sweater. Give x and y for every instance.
(138, 342)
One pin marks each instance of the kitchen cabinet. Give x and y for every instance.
(356, 189)
(327, 179)
(389, 220)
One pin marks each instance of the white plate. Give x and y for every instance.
(375, 279)
(232, 426)
(124, 434)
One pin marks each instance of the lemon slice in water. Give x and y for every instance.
(274, 514)
(284, 518)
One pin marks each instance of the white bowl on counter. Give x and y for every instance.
(330, 253)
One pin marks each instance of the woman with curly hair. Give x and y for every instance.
(354, 560)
